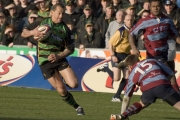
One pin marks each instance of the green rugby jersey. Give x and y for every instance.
(57, 42)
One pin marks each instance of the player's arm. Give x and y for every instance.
(27, 33)
(125, 103)
(134, 32)
(131, 39)
(69, 45)
(177, 39)
(127, 96)
(31, 30)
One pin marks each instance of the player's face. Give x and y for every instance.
(57, 14)
(155, 8)
(129, 21)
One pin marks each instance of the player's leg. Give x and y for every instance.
(117, 74)
(173, 100)
(123, 82)
(164, 58)
(171, 65)
(132, 109)
(147, 98)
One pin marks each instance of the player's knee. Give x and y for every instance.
(61, 90)
(73, 85)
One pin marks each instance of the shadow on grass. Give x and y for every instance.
(8, 118)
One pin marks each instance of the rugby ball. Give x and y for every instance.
(45, 30)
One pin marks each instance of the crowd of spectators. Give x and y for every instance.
(92, 22)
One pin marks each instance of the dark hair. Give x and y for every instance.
(131, 60)
(57, 5)
(160, 1)
(10, 27)
(147, 11)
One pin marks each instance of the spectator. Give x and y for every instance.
(130, 11)
(135, 4)
(102, 10)
(31, 17)
(80, 6)
(11, 37)
(74, 34)
(87, 16)
(21, 8)
(103, 22)
(53, 2)
(31, 7)
(13, 18)
(70, 15)
(114, 25)
(90, 38)
(1, 5)
(44, 8)
(173, 12)
(17, 2)
(146, 6)
(117, 4)
(3, 24)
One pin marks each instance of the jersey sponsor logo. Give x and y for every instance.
(160, 29)
(56, 37)
(14, 67)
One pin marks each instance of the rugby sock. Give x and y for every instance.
(109, 81)
(68, 98)
(133, 109)
(110, 72)
(122, 85)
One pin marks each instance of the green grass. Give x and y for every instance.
(38, 104)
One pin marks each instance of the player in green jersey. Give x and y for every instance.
(52, 53)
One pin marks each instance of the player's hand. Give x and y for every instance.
(136, 52)
(114, 58)
(36, 32)
(53, 57)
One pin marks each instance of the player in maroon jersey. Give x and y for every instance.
(157, 28)
(153, 77)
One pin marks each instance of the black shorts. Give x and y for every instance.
(48, 69)
(120, 57)
(162, 91)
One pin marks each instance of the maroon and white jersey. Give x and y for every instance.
(156, 32)
(147, 74)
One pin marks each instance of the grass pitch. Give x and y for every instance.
(38, 104)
